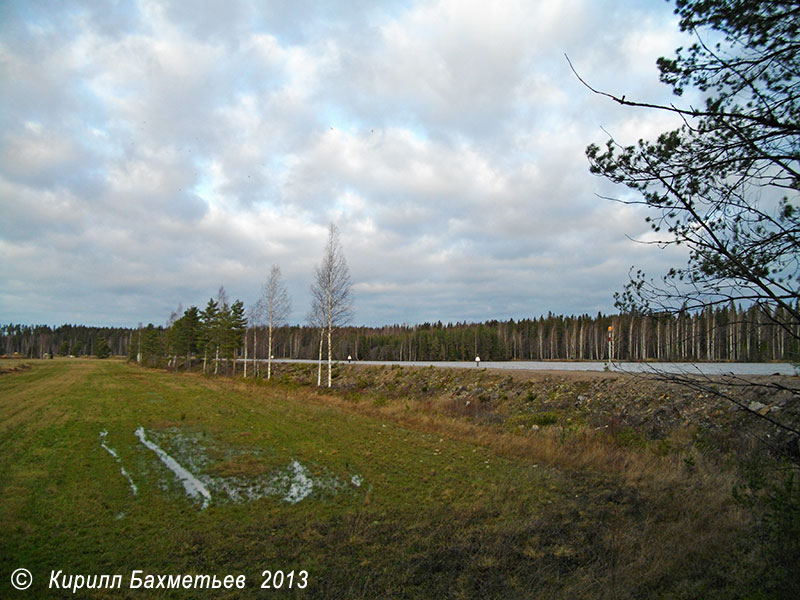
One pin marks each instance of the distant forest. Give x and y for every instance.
(724, 334)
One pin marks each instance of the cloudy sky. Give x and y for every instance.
(152, 151)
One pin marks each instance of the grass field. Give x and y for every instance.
(371, 500)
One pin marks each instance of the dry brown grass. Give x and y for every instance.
(32, 396)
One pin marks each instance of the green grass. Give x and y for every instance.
(443, 510)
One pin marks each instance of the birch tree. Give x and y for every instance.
(331, 291)
(276, 305)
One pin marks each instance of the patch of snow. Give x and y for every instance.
(134, 489)
(193, 486)
(109, 450)
(113, 453)
(301, 485)
(291, 483)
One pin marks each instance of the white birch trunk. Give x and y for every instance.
(330, 322)
(269, 354)
(329, 356)
(319, 362)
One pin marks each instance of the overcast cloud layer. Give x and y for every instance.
(152, 151)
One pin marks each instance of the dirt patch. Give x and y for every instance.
(13, 367)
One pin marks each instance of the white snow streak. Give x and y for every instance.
(113, 453)
(109, 450)
(191, 484)
(130, 481)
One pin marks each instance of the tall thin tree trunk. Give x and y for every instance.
(256, 366)
(330, 323)
(319, 362)
(658, 339)
(631, 347)
(245, 353)
(747, 334)
(330, 357)
(269, 353)
(713, 333)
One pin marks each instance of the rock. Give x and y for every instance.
(756, 406)
(581, 399)
(784, 396)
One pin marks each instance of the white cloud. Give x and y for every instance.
(152, 151)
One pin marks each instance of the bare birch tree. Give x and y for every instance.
(276, 306)
(331, 290)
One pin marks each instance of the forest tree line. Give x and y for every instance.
(725, 334)
(40, 341)
(728, 333)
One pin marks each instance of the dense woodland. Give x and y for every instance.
(725, 334)
(38, 341)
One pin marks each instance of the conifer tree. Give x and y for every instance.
(101, 348)
(235, 325)
(208, 322)
(725, 183)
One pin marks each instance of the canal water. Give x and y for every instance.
(701, 368)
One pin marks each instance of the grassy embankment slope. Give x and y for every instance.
(406, 503)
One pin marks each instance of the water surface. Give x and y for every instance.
(701, 368)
